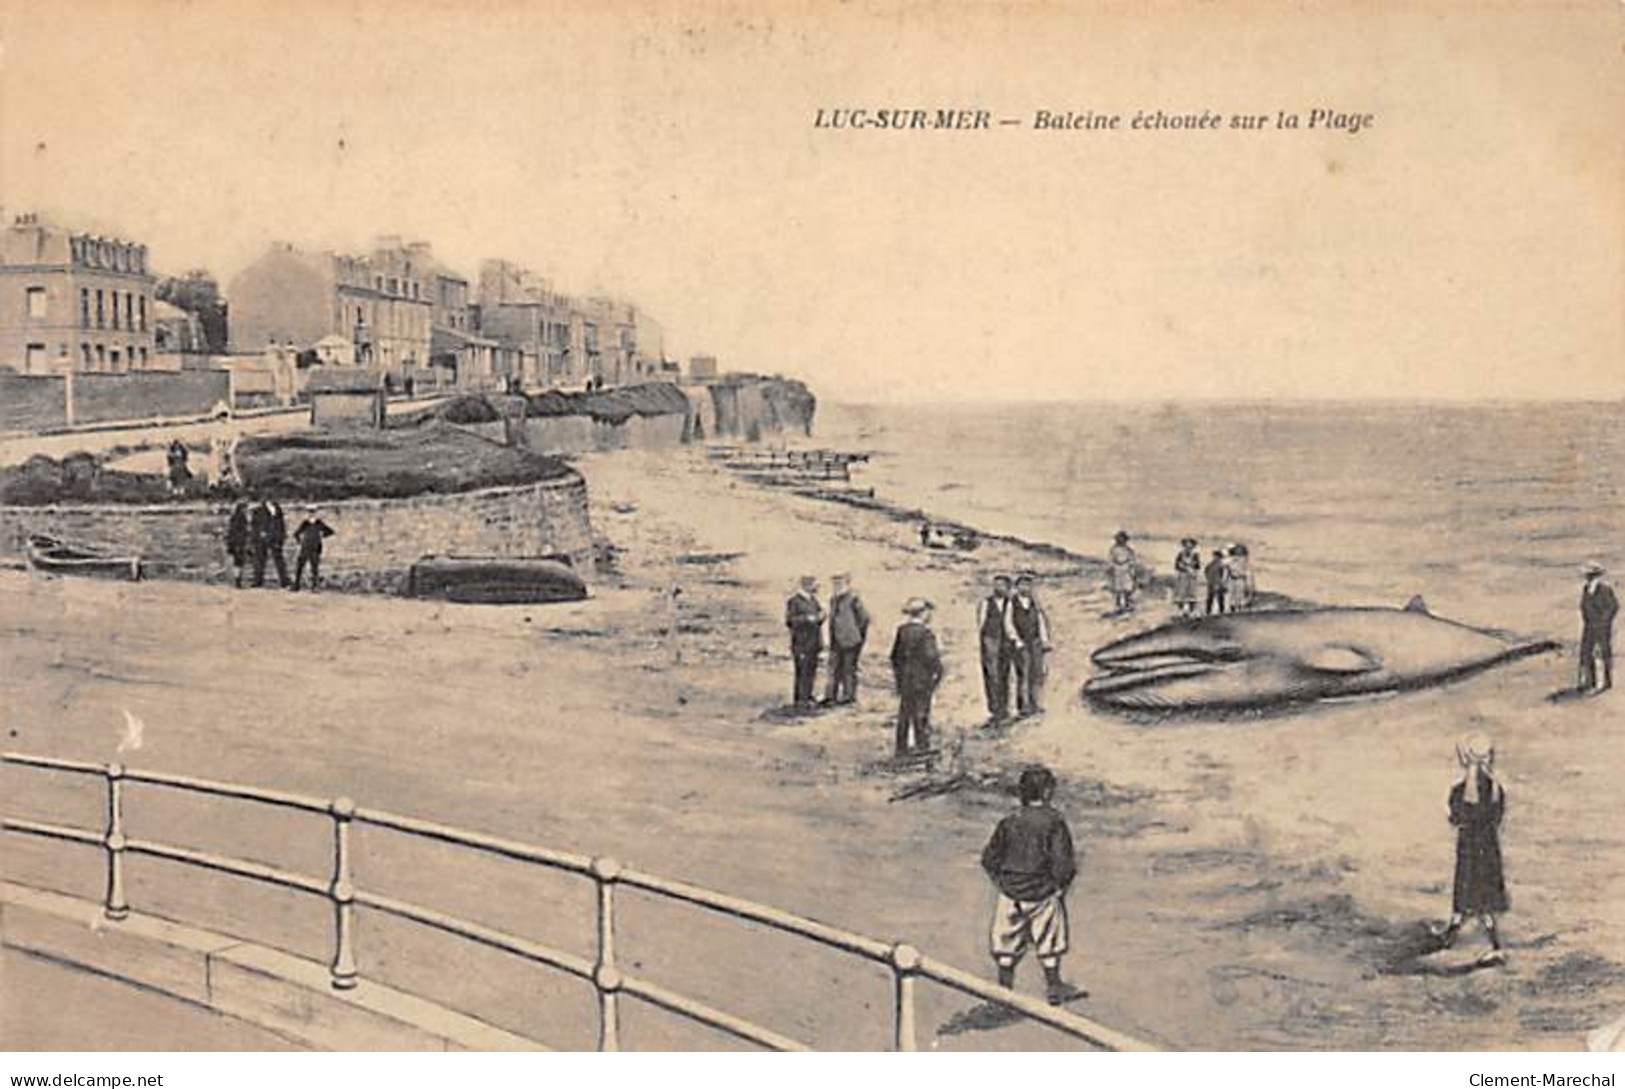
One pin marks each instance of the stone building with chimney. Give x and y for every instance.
(72, 300)
(380, 303)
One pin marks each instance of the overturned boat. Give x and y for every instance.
(1264, 661)
(495, 580)
(58, 557)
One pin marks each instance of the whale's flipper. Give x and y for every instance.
(1341, 658)
(1417, 605)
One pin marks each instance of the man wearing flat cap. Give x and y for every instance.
(917, 668)
(1598, 607)
(804, 616)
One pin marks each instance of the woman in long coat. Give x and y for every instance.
(1477, 804)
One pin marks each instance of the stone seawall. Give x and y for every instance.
(376, 541)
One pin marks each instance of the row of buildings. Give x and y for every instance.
(77, 301)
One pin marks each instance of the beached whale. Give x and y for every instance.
(1269, 660)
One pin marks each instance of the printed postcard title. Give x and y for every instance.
(959, 119)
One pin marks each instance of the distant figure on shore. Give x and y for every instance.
(1123, 574)
(310, 536)
(1030, 860)
(1238, 578)
(925, 534)
(1218, 574)
(1029, 637)
(237, 540)
(1598, 607)
(917, 670)
(1187, 578)
(268, 535)
(179, 472)
(1477, 804)
(993, 625)
(804, 616)
(848, 631)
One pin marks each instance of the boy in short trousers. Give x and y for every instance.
(1031, 861)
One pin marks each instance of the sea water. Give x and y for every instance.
(1487, 511)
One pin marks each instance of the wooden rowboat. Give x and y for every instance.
(60, 558)
(495, 580)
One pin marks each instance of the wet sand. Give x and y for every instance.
(1246, 884)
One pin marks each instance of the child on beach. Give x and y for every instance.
(1477, 804)
(1123, 573)
(1031, 862)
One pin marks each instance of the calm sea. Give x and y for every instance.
(1485, 510)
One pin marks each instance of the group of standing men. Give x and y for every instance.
(848, 623)
(257, 534)
(916, 660)
(1014, 636)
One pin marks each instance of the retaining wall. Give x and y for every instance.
(35, 402)
(583, 434)
(376, 541)
(31, 402)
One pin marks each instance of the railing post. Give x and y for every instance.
(116, 907)
(342, 893)
(905, 961)
(606, 977)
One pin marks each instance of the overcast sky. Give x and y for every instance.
(1468, 245)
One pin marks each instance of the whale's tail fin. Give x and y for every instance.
(1417, 605)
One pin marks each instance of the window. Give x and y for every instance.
(84, 352)
(101, 316)
(129, 310)
(394, 286)
(112, 358)
(101, 354)
(114, 295)
(143, 312)
(36, 302)
(36, 359)
(84, 307)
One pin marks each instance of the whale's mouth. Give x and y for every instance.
(1128, 671)
(1183, 661)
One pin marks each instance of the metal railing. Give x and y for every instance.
(905, 964)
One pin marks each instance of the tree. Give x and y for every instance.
(198, 293)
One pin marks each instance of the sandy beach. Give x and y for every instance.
(1238, 889)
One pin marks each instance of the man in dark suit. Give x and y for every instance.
(805, 619)
(993, 628)
(1598, 607)
(917, 668)
(268, 528)
(848, 631)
